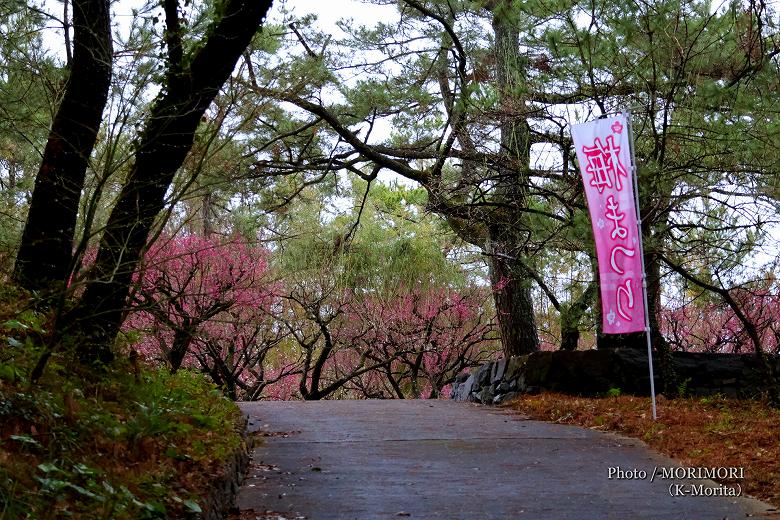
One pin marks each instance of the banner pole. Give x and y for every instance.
(641, 248)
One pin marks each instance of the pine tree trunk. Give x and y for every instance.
(46, 251)
(514, 305)
(161, 149)
(653, 273)
(666, 368)
(572, 314)
(511, 282)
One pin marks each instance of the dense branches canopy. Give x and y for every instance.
(365, 210)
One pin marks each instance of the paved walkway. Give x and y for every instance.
(440, 459)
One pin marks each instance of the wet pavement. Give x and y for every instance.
(395, 459)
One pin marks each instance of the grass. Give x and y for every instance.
(697, 432)
(131, 443)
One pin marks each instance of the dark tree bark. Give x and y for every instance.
(501, 231)
(659, 343)
(767, 365)
(161, 148)
(46, 251)
(653, 273)
(571, 317)
(508, 234)
(514, 305)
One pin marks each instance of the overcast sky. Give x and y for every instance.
(328, 13)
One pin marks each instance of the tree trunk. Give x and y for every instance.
(181, 345)
(161, 148)
(571, 317)
(570, 337)
(46, 250)
(511, 282)
(670, 381)
(514, 305)
(653, 273)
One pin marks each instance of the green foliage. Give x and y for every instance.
(29, 87)
(123, 444)
(395, 242)
(707, 141)
(682, 388)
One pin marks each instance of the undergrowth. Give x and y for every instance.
(128, 443)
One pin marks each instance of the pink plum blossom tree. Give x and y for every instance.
(207, 304)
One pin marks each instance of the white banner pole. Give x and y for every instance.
(641, 248)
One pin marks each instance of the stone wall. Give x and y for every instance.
(595, 372)
(224, 488)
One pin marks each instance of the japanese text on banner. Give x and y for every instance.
(603, 152)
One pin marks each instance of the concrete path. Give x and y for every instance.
(369, 460)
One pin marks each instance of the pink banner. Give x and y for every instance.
(604, 155)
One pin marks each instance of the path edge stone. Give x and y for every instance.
(221, 497)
